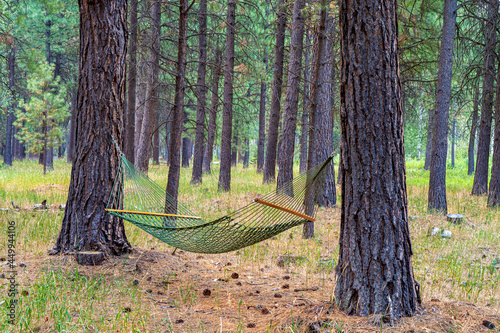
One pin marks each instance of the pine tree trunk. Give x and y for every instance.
(101, 98)
(480, 185)
(177, 112)
(201, 90)
(494, 193)
(374, 272)
(285, 161)
(234, 146)
(274, 115)
(148, 118)
(131, 86)
(437, 178)
(305, 112)
(209, 148)
(473, 130)
(186, 141)
(428, 146)
(246, 153)
(156, 140)
(262, 125)
(227, 109)
(11, 62)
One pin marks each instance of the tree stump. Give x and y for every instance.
(455, 218)
(90, 258)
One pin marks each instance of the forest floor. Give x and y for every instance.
(151, 290)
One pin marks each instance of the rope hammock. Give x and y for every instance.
(139, 200)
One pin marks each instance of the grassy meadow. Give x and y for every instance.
(150, 290)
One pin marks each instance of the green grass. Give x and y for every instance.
(62, 297)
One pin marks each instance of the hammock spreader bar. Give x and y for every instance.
(150, 213)
(291, 211)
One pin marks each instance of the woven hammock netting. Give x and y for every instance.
(139, 200)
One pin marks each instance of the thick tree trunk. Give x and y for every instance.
(148, 118)
(374, 272)
(129, 144)
(304, 131)
(437, 179)
(494, 193)
(227, 109)
(212, 120)
(274, 116)
(177, 112)
(480, 185)
(201, 90)
(473, 130)
(101, 97)
(285, 161)
(428, 146)
(11, 62)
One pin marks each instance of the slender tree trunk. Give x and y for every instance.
(285, 161)
(131, 85)
(186, 141)
(274, 116)
(374, 272)
(207, 159)
(494, 194)
(11, 65)
(480, 185)
(148, 118)
(101, 98)
(437, 179)
(246, 152)
(156, 140)
(262, 124)
(305, 112)
(428, 146)
(473, 130)
(234, 146)
(227, 110)
(201, 90)
(177, 113)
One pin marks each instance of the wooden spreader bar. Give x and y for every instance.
(288, 210)
(155, 214)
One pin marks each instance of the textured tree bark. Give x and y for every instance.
(473, 130)
(437, 178)
(262, 125)
(285, 161)
(274, 115)
(201, 89)
(305, 112)
(374, 272)
(234, 146)
(100, 105)
(11, 65)
(227, 109)
(494, 193)
(212, 120)
(148, 118)
(129, 149)
(246, 152)
(156, 140)
(324, 118)
(428, 146)
(177, 112)
(480, 185)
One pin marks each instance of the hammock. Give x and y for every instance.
(139, 200)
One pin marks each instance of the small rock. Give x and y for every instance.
(62, 206)
(235, 276)
(207, 292)
(257, 291)
(446, 234)
(488, 324)
(435, 300)
(228, 264)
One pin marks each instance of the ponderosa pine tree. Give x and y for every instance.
(473, 130)
(227, 104)
(374, 272)
(274, 114)
(285, 161)
(304, 128)
(480, 185)
(437, 179)
(11, 63)
(428, 145)
(101, 98)
(201, 90)
(494, 193)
